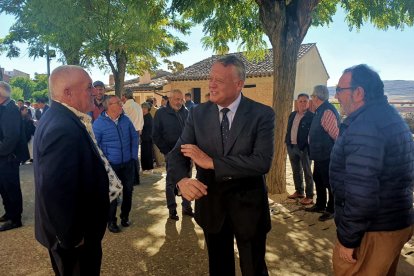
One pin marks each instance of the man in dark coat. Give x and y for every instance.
(12, 144)
(372, 176)
(168, 124)
(72, 190)
(232, 158)
(297, 145)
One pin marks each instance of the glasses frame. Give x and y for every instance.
(341, 89)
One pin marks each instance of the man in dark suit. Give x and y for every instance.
(230, 139)
(72, 190)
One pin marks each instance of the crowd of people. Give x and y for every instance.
(363, 167)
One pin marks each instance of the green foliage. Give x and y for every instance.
(174, 66)
(17, 93)
(40, 94)
(26, 84)
(41, 82)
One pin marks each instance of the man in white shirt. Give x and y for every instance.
(134, 113)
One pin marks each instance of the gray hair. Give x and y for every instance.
(5, 89)
(321, 92)
(146, 105)
(128, 93)
(236, 62)
(106, 99)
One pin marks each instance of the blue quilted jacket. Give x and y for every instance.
(372, 173)
(119, 142)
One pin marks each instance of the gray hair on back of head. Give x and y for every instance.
(5, 89)
(321, 92)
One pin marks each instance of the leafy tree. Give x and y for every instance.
(174, 66)
(17, 93)
(128, 35)
(40, 94)
(40, 82)
(26, 84)
(60, 24)
(124, 35)
(285, 23)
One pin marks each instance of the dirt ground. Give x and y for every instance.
(153, 245)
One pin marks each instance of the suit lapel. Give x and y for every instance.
(239, 120)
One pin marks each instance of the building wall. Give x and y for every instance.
(310, 71)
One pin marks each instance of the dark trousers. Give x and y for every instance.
(170, 192)
(301, 165)
(79, 261)
(147, 157)
(321, 178)
(125, 172)
(10, 189)
(220, 248)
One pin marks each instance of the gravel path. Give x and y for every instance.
(153, 245)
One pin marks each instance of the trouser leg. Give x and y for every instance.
(10, 190)
(294, 157)
(127, 191)
(220, 248)
(324, 168)
(307, 171)
(252, 255)
(170, 192)
(320, 188)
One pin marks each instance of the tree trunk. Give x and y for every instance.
(118, 70)
(286, 26)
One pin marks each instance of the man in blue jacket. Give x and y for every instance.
(372, 176)
(118, 140)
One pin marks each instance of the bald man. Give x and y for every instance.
(71, 179)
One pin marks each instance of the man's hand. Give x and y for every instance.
(346, 254)
(198, 156)
(192, 188)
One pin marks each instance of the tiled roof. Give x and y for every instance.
(201, 69)
(157, 82)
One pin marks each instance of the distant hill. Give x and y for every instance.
(396, 90)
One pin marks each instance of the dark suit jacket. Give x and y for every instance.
(236, 187)
(72, 190)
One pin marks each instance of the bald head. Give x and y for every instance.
(72, 85)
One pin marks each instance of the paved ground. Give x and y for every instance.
(297, 245)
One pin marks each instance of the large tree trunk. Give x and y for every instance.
(119, 70)
(286, 26)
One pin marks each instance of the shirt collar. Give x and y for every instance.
(233, 106)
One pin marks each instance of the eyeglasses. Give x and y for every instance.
(118, 103)
(340, 89)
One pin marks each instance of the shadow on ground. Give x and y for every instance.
(153, 245)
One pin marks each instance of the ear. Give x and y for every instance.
(358, 94)
(240, 85)
(67, 92)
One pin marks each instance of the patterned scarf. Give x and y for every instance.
(115, 185)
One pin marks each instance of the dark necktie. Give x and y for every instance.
(225, 126)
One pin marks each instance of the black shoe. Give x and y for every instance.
(188, 212)
(326, 216)
(8, 225)
(113, 227)
(315, 209)
(125, 222)
(3, 218)
(173, 215)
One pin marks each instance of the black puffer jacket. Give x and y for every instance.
(372, 173)
(167, 127)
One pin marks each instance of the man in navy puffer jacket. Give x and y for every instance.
(372, 176)
(118, 140)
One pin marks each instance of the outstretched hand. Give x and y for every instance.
(199, 157)
(191, 188)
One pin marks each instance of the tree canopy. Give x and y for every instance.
(122, 35)
(285, 23)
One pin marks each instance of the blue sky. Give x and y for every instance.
(388, 52)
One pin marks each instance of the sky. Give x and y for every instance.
(389, 52)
